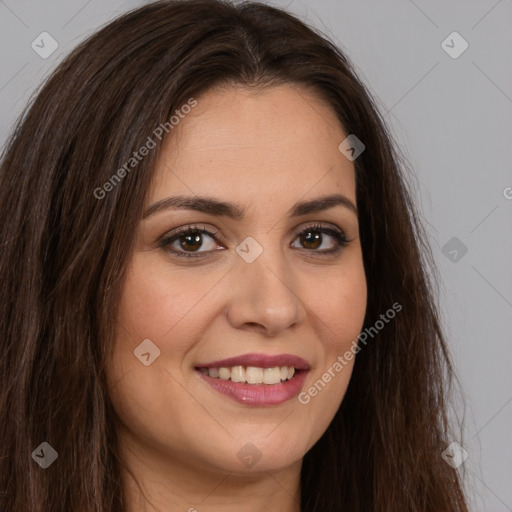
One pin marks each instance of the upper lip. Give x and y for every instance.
(259, 361)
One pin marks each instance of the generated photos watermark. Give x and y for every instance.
(343, 360)
(145, 149)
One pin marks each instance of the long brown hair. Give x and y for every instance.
(64, 254)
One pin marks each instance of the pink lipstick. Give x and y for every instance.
(256, 379)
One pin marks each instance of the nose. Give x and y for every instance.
(263, 295)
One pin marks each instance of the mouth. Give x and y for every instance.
(251, 374)
(256, 379)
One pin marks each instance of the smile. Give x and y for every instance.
(256, 379)
(251, 374)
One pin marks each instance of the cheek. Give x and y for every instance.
(338, 309)
(338, 317)
(168, 308)
(155, 300)
(153, 306)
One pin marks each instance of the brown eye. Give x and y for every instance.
(192, 242)
(188, 242)
(313, 237)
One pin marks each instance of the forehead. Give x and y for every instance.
(276, 142)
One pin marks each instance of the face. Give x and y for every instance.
(268, 285)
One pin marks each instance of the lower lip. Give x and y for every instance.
(258, 395)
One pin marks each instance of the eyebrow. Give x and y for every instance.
(212, 206)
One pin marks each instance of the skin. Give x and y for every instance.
(265, 150)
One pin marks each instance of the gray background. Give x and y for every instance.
(453, 120)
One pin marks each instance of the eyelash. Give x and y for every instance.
(166, 241)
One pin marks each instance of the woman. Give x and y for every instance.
(214, 292)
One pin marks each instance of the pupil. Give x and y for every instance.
(311, 239)
(191, 239)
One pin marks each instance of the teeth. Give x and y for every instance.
(238, 374)
(252, 374)
(272, 375)
(224, 373)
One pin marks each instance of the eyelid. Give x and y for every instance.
(336, 232)
(175, 234)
